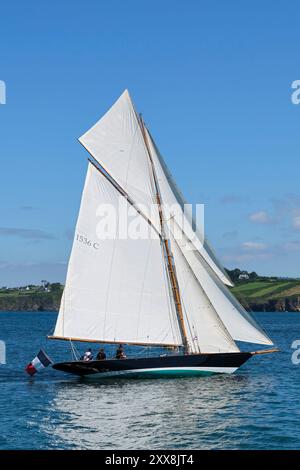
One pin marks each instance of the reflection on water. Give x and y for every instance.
(256, 408)
(130, 414)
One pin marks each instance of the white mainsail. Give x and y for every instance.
(117, 143)
(116, 289)
(205, 330)
(119, 290)
(172, 197)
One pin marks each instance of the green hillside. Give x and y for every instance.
(269, 294)
(256, 293)
(267, 289)
(31, 298)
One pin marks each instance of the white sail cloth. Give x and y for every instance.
(240, 325)
(116, 289)
(117, 143)
(205, 331)
(172, 198)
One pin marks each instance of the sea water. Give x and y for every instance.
(256, 408)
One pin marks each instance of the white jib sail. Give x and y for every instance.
(116, 289)
(171, 197)
(238, 322)
(205, 331)
(117, 143)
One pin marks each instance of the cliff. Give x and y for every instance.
(269, 294)
(35, 301)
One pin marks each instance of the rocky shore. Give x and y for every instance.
(37, 302)
(49, 302)
(284, 304)
(255, 293)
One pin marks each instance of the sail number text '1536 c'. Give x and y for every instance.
(86, 241)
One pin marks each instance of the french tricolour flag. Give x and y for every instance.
(40, 361)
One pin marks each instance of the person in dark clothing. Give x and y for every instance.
(120, 352)
(101, 355)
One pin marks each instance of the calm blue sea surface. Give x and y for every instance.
(256, 408)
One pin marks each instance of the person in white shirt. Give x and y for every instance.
(88, 356)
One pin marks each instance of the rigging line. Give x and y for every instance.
(109, 283)
(181, 200)
(130, 152)
(192, 333)
(143, 287)
(153, 181)
(222, 326)
(168, 174)
(139, 353)
(220, 323)
(151, 176)
(168, 289)
(118, 187)
(224, 329)
(64, 307)
(235, 304)
(49, 331)
(74, 351)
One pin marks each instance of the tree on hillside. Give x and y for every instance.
(55, 287)
(234, 274)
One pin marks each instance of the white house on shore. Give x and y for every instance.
(244, 277)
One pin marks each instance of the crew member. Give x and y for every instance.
(120, 352)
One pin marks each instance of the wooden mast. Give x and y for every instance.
(172, 274)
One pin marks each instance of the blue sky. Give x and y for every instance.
(213, 80)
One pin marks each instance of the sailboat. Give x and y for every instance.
(161, 291)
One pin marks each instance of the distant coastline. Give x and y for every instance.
(265, 294)
(256, 293)
(31, 298)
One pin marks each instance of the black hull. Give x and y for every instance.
(194, 364)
